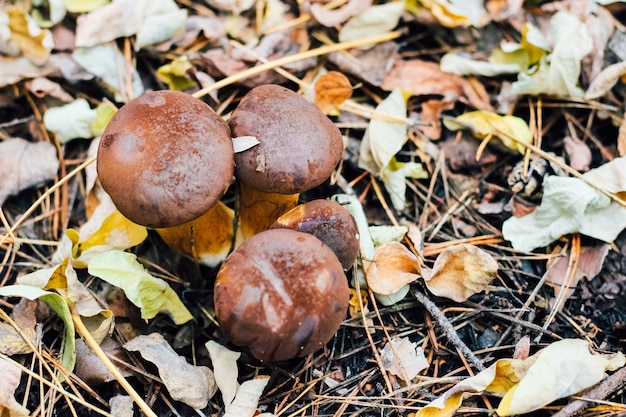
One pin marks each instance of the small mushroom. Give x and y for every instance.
(298, 150)
(328, 221)
(165, 158)
(282, 293)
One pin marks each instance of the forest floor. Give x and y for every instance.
(488, 138)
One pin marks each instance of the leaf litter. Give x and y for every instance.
(440, 104)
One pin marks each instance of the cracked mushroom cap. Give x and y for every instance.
(282, 294)
(165, 158)
(299, 146)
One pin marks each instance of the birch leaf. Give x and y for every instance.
(569, 205)
(375, 20)
(9, 382)
(558, 74)
(461, 271)
(192, 385)
(56, 303)
(17, 172)
(152, 295)
(71, 121)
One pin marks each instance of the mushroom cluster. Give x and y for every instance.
(166, 159)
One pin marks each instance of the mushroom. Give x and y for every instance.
(166, 158)
(328, 221)
(298, 150)
(281, 293)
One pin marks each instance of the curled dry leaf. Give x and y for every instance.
(331, 90)
(330, 18)
(605, 81)
(405, 359)
(461, 271)
(393, 267)
(9, 382)
(192, 385)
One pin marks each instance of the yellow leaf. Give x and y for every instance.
(331, 90)
(175, 74)
(485, 124)
(116, 232)
(461, 271)
(83, 6)
(30, 39)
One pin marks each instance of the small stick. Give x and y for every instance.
(601, 391)
(95, 348)
(448, 329)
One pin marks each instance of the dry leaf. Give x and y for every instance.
(225, 368)
(563, 368)
(26, 37)
(17, 170)
(330, 18)
(331, 90)
(605, 81)
(374, 20)
(578, 153)
(621, 137)
(461, 271)
(392, 267)
(426, 78)
(9, 382)
(192, 385)
(121, 406)
(405, 359)
(590, 261)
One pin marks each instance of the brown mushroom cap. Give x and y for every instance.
(165, 158)
(282, 294)
(299, 146)
(328, 221)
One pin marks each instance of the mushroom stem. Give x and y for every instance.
(257, 210)
(207, 239)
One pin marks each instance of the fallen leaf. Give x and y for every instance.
(41, 87)
(71, 121)
(152, 295)
(84, 6)
(243, 143)
(486, 124)
(175, 74)
(561, 369)
(605, 81)
(621, 137)
(17, 172)
(569, 205)
(454, 13)
(558, 74)
(192, 385)
(578, 153)
(15, 69)
(405, 359)
(461, 271)
(385, 233)
(234, 6)
(121, 406)
(460, 65)
(225, 369)
(375, 20)
(422, 78)
(26, 37)
(590, 261)
(331, 90)
(105, 62)
(152, 22)
(370, 65)
(56, 303)
(247, 399)
(392, 267)
(9, 382)
(334, 17)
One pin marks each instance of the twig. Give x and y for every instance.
(601, 391)
(448, 329)
(95, 348)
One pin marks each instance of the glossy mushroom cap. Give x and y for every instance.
(299, 146)
(328, 221)
(165, 158)
(282, 294)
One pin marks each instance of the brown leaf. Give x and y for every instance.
(332, 89)
(419, 78)
(392, 267)
(461, 271)
(337, 16)
(578, 153)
